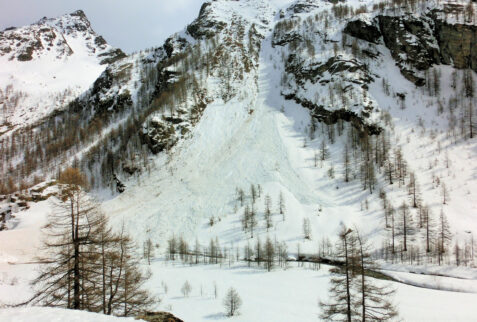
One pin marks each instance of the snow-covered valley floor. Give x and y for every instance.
(290, 294)
(285, 295)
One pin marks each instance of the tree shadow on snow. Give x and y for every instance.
(215, 316)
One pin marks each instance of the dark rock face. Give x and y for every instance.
(80, 14)
(363, 30)
(416, 44)
(333, 66)
(26, 54)
(131, 169)
(410, 40)
(458, 44)
(205, 27)
(351, 75)
(332, 117)
(102, 104)
(158, 135)
(159, 317)
(303, 6)
(5, 215)
(99, 41)
(164, 80)
(120, 187)
(174, 45)
(112, 56)
(412, 43)
(29, 42)
(281, 39)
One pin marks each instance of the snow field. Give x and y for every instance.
(285, 295)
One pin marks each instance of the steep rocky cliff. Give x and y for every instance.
(419, 42)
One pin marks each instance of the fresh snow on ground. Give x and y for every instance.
(285, 295)
(43, 314)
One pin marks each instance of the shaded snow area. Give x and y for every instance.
(43, 314)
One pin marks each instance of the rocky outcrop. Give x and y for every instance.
(412, 43)
(363, 30)
(205, 26)
(158, 317)
(99, 98)
(161, 133)
(303, 6)
(338, 75)
(329, 117)
(111, 56)
(284, 38)
(410, 40)
(49, 35)
(174, 45)
(334, 65)
(5, 214)
(417, 43)
(15, 202)
(457, 43)
(120, 187)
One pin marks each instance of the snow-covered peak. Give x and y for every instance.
(47, 64)
(70, 23)
(50, 35)
(214, 16)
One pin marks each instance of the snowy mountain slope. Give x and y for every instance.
(249, 94)
(47, 64)
(233, 147)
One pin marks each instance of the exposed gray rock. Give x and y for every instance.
(320, 113)
(333, 66)
(417, 43)
(205, 26)
(159, 317)
(363, 30)
(457, 43)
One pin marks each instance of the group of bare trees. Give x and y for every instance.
(411, 219)
(434, 244)
(354, 296)
(249, 217)
(267, 254)
(460, 105)
(84, 265)
(416, 234)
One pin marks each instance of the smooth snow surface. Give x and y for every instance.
(43, 314)
(286, 295)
